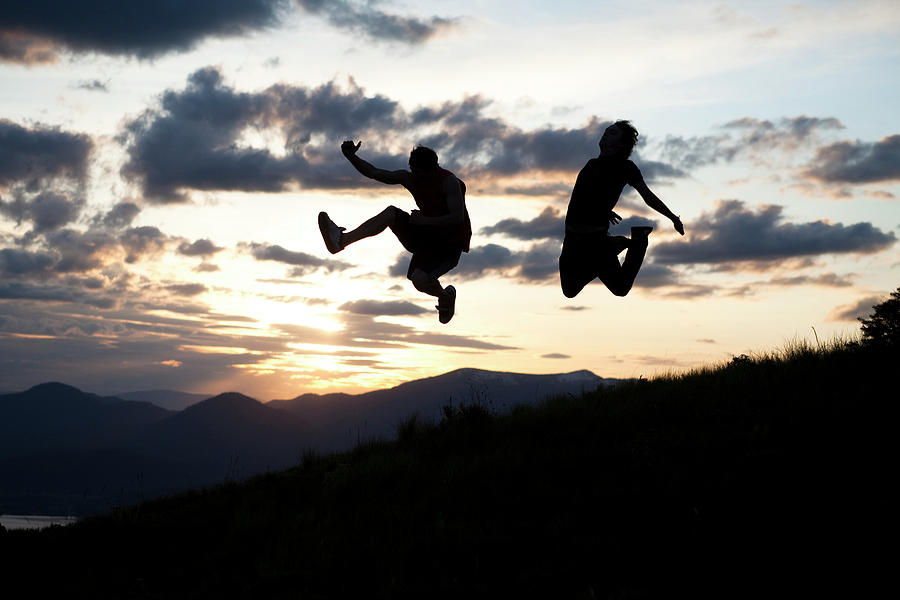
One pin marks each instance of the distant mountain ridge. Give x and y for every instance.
(64, 451)
(168, 399)
(341, 420)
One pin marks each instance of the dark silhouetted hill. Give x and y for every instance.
(59, 417)
(768, 477)
(340, 421)
(233, 430)
(168, 399)
(64, 450)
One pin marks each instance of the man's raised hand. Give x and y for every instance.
(349, 148)
(679, 226)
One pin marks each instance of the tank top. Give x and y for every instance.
(431, 199)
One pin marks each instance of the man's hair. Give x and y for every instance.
(631, 134)
(423, 158)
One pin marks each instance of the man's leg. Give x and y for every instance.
(371, 227)
(619, 278)
(576, 268)
(424, 270)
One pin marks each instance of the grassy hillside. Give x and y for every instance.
(766, 477)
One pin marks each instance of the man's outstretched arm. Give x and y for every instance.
(369, 170)
(651, 200)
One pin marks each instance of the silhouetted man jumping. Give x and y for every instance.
(436, 234)
(588, 250)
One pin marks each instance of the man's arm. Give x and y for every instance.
(372, 172)
(656, 204)
(455, 205)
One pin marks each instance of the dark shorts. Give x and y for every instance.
(585, 257)
(429, 252)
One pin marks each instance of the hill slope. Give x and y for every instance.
(765, 478)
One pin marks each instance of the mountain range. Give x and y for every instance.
(65, 451)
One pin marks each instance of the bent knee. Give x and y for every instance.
(621, 291)
(570, 291)
(419, 278)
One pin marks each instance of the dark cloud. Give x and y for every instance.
(186, 289)
(94, 85)
(15, 262)
(120, 215)
(549, 224)
(366, 19)
(39, 31)
(745, 135)
(201, 247)
(304, 263)
(31, 156)
(537, 264)
(732, 233)
(857, 310)
(46, 210)
(81, 251)
(193, 139)
(383, 308)
(18, 290)
(555, 355)
(139, 242)
(858, 162)
(32, 32)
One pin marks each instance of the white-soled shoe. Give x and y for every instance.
(331, 233)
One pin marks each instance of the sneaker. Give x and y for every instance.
(331, 233)
(446, 304)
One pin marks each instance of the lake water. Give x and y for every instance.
(33, 521)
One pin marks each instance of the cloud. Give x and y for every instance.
(549, 224)
(366, 19)
(32, 156)
(23, 262)
(855, 311)
(201, 247)
(186, 289)
(139, 242)
(17, 290)
(46, 210)
(120, 215)
(195, 139)
(538, 263)
(858, 162)
(304, 263)
(93, 85)
(38, 31)
(383, 308)
(732, 233)
(746, 136)
(555, 355)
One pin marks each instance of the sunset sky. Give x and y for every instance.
(161, 170)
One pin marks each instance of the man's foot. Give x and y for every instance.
(446, 304)
(331, 233)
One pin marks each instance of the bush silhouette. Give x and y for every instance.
(883, 327)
